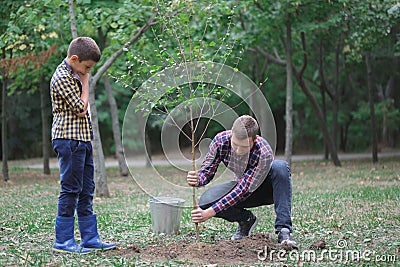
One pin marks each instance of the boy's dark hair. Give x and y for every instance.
(244, 127)
(85, 48)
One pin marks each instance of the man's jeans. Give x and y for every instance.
(276, 189)
(75, 159)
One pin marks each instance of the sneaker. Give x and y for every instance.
(245, 228)
(284, 238)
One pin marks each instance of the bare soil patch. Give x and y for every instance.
(250, 250)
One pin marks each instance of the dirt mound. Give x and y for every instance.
(225, 252)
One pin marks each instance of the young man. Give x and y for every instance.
(71, 135)
(258, 180)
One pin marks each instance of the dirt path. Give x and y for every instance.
(36, 163)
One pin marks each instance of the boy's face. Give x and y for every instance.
(80, 67)
(242, 146)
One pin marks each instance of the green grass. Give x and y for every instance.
(358, 204)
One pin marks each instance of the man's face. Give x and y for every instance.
(81, 67)
(242, 146)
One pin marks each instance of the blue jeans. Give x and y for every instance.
(276, 189)
(75, 159)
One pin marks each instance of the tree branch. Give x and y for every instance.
(270, 57)
(74, 31)
(111, 60)
(257, 4)
(305, 60)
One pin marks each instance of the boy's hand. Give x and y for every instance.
(84, 78)
(192, 178)
(199, 215)
(85, 92)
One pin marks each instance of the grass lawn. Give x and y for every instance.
(354, 210)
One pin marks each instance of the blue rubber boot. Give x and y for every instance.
(65, 241)
(89, 235)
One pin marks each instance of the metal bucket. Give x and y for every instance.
(166, 213)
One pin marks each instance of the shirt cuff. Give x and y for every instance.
(216, 208)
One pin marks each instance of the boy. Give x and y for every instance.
(259, 180)
(71, 135)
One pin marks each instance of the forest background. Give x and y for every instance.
(329, 69)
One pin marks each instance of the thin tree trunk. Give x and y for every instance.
(74, 31)
(45, 125)
(386, 97)
(147, 144)
(314, 103)
(100, 175)
(4, 127)
(123, 168)
(289, 91)
(374, 139)
(336, 96)
(323, 88)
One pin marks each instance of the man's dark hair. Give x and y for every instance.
(244, 127)
(85, 48)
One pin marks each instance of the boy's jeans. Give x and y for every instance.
(75, 159)
(276, 189)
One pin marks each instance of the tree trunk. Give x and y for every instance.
(123, 168)
(289, 91)
(386, 96)
(149, 154)
(374, 139)
(320, 118)
(44, 92)
(74, 31)
(336, 96)
(100, 175)
(323, 88)
(4, 127)
(314, 103)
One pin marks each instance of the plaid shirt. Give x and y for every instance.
(65, 91)
(249, 171)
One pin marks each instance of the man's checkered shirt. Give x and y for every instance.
(65, 91)
(249, 171)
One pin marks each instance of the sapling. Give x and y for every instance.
(183, 37)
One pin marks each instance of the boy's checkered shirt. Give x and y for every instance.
(249, 170)
(65, 91)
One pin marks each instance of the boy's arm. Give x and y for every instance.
(85, 93)
(66, 88)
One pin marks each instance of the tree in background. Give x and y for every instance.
(373, 24)
(335, 75)
(29, 43)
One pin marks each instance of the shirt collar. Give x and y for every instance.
(70, 69)
(68, 66)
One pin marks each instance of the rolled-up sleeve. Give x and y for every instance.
(210, 164)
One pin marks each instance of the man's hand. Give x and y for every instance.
(199, 215)
(192, 178)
